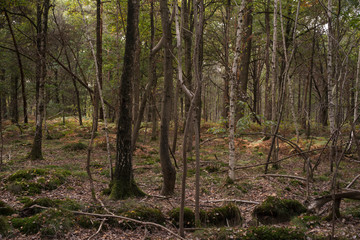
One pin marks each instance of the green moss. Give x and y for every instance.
(33, 181)
(145, 214)
(306, 222)
(275, 210)
(226, 215)
(271, 233)
(51, 223)
(4, 226)
(86, 222)
(5, 209)
(189, 217)
(212, 168)
(75, 146)
(122, 190)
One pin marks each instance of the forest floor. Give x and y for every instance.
(66, 164)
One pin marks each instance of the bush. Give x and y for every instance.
(275, 210)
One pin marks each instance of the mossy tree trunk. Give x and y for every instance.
(123, 185)
(42, 21)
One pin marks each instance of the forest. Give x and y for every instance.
(189, 119)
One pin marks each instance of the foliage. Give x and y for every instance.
(274, 210)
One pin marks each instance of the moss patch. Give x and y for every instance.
(5, 209)
(75, 146)
(121, 190)
(4, 226)
(222, 216)
(33, 181)
(276, 210)
(145, 214)
(270, 233)
(189, 217)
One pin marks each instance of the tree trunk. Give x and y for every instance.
(242, 77)
(14, 99)
(226, 98)
(22, 75)
(41, 41)
(168, 170)
(99, 29)
(268, 103)
(124, 185)
(235, 68)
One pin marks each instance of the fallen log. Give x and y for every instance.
(318, 203)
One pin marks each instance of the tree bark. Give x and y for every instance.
(41, 41)
(168, 170)
(14, 99)
(234, 74)
(124, 185)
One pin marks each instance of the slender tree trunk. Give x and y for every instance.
(242, 77)
(14, 99)
(41, 41)
(330, 82)
(268, 88)
(22, 75)
(124, 185)
(226, 100)
(356, 97)
(99, 30)
(168, 170)
(235, 69)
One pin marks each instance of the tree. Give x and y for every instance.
(42, 11)
(168, 170)
(123, 184)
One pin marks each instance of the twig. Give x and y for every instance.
(285, 176)
(352, 182)
(99, 229)
(232, 200)
(117, 216)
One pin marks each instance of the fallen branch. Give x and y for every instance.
(99, 229)
(352, 182)
(232, 200)
(117, 216)
(317, 203)
(285, 176)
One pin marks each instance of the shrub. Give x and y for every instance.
(275, 210)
